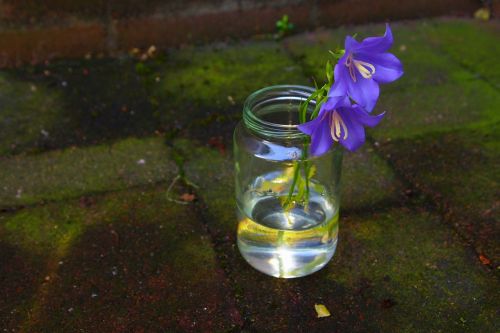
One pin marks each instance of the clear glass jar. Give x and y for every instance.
(282, 232)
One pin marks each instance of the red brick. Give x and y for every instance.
(334, 13)
(173, 31)
(39, 44)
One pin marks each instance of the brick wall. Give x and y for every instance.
(33, 30)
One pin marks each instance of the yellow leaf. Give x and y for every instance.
(482, 14)
(321, 310)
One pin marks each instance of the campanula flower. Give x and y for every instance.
(338, 121)
(363, 66)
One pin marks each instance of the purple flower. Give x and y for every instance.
(363, 66)
(338, 121)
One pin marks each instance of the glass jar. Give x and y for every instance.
(288, 201)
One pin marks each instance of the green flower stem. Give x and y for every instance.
(306, 170)
(296, 169)
(320, 95)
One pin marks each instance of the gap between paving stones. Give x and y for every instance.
(432, 206)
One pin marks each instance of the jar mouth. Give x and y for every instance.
(274, 111)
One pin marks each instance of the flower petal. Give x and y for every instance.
(364, 92)
(355, 131)
(340, 74)
(310, 127)
(388, 68)
(321, 140)
(364, 117)
(377, 44)
(334, 102)
(351, 45)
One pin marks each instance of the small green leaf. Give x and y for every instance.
(329, 71)
(311, 172)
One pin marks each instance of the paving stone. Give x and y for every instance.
(423, 110)
(138, 262)
(368, 182)
(472, 44)
(401, 271)
(27, 114)
(223, 75)
(86, 101)
(20, 273)
(69, 173)
(92, 101)
(32, 242)
(388, 265)
(460, 171)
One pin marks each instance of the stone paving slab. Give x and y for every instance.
(94, 101)
(460, 171)
(472, 44)
(123, 261)
(405, 271)
(69, 173)
(388, 264)
(20, 100)
(413, 112)
(223, 75)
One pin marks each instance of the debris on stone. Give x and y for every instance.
(484, 260)
(482, 14)
(321, 311)
(187, 197)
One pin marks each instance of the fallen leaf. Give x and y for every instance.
(188, 197)
(482, 14)
(321, 310)
(484, 260)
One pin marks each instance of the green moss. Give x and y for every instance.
(422, 109)
(470, 43)
(75, 171)
(367, 181)
(422, 62)
(44, 229)
(218, 77)
(459, 169)
(417, 262)
(28, 112)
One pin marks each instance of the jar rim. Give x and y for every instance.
(280, 94)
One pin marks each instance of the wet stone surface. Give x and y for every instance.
(96, 234)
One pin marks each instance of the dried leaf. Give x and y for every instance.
(484, 260)
(188, 197)
(482, 14)
(321, 310)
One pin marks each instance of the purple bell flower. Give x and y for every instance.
(338, 121)
(363, 66)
